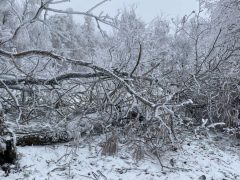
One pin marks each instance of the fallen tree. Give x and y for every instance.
(138, 93)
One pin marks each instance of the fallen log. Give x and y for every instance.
(48, 136)
(42, 137)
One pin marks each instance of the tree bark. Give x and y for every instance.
(8, 153)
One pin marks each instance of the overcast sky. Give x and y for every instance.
(146, 9)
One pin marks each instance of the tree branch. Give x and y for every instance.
(138, 60)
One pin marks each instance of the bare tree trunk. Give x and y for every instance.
(8, 153)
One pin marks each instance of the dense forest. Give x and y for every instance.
(144, 86)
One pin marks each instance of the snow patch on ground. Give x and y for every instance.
(196, 158)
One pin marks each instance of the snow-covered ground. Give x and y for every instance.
(213, 158)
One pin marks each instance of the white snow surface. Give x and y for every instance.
(216, 159)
